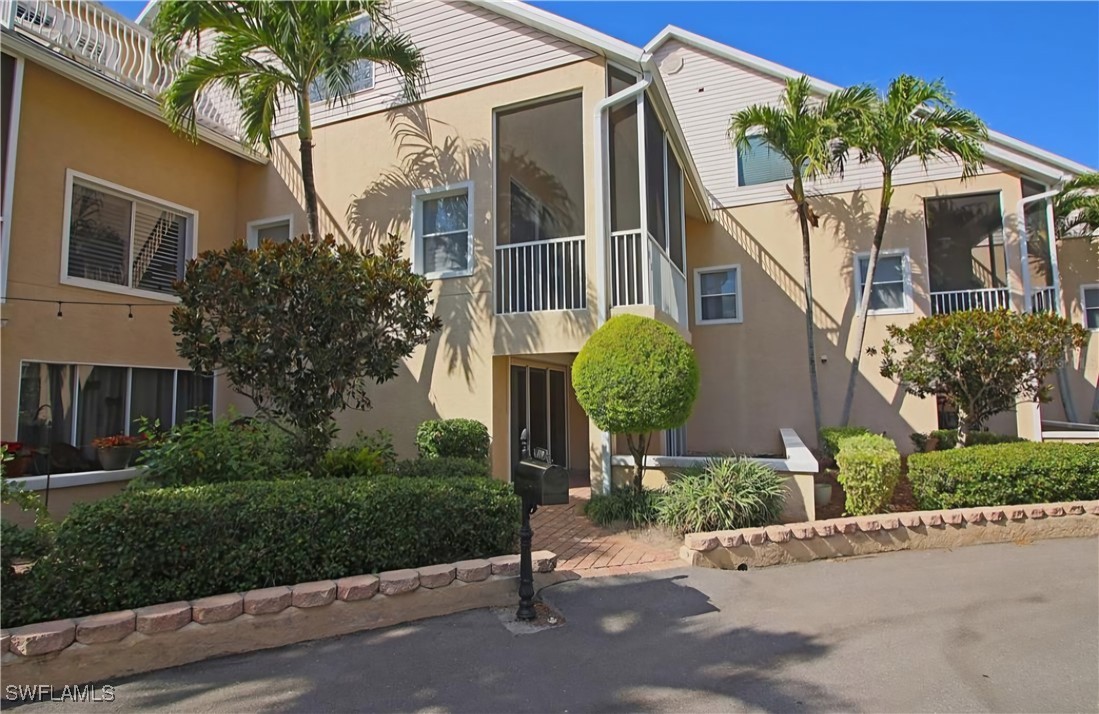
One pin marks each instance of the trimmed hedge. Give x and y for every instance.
(945, 439)
(830, 437)
(442, 467)
(153, 546)
(870, 467)
(1004, 475)
(463, 438)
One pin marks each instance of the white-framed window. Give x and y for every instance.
(74, 404)
(1089, 301)
(675, 441)
(892, 291)
(123, 241)
(758, 163)
(442, 220)
(718, 295)
(278, 229)
(362, 72)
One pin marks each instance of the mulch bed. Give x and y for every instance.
(903, 500)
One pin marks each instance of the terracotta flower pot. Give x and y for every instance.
(115, 457)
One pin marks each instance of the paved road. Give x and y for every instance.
(986, 628)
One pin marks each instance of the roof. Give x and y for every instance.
(1000, 147)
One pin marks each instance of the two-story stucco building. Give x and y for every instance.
(550, 177)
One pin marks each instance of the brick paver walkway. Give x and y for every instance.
(589, 550)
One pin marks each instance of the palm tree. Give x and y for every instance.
(914, 119)
(266, 51)
(1076, 207)
(809, 134)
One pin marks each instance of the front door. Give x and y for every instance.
(538, 402)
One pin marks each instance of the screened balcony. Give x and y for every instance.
(967, 260)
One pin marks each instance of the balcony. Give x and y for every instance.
(540, 275)
(948, 301)
(642, 273)
(108, 44)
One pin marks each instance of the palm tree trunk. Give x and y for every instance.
(803, 219)
(305, 136)
(864, 299)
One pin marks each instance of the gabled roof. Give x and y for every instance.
(1000, 147)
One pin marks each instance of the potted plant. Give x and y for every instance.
(115, 452)
(16, 458)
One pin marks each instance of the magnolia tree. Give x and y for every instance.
(982, 361)
(302, 328)
(634, 376)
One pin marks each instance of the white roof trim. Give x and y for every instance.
(1001, 148)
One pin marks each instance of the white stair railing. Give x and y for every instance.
(946, 302)
(541, 275)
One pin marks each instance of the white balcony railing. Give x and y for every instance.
(1043, 299)
(642, 273)
(541, 275)
(106, 43)
(944, 303)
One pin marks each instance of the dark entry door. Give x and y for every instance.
(538, 404)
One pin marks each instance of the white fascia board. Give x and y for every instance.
(596, 41)
(138, 102)
(1000, 147)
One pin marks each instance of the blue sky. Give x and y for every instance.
(1029, 69)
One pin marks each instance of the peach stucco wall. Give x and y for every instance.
(64, 126)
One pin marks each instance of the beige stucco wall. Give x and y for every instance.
(66, 126)
(366, 170)
(755, 374)
(1079, 265)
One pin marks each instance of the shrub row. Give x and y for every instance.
(1005, 474)
(946, 439)
(870, 467)
(830, 437)
(144, 547)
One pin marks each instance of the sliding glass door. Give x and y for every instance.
(538, 404)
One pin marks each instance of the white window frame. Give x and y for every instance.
(324, 101)
(98, 184)
(739, 295)
(1084, 306)
(736, 167)
(906, 271)
(430, 194)
(255, 226)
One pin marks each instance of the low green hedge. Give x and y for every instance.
(870, 467)
(830, 437)
(442, 467)
(1005, 474)
(160, 545)
(464, 438)
(946, 439)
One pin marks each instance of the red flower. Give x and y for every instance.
(118, 440)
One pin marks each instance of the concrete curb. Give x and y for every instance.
(111, 645)
(886, 532)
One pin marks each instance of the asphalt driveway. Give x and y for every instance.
(986, 628)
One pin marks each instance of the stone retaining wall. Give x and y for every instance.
(111, 645)
(864, 535)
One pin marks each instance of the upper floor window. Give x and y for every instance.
(758, 163)
(362, 72)
(279, 229)
(1090, 300)
(718, 295)
(892, 290)
(120, 240)
(443, 238)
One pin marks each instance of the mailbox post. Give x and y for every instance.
(538, 482)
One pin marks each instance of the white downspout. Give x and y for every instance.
(603, 225)
(1020, 218)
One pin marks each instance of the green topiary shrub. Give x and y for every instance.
(367, 456)
(160, 545)
(204, 451)
(1005, 474)
(830, 437)
(623, 505)
(636, 375)
(462, 438)
(870, 467)
(724, 494)
(442, 467)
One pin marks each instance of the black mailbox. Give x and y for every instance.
(539, 482)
